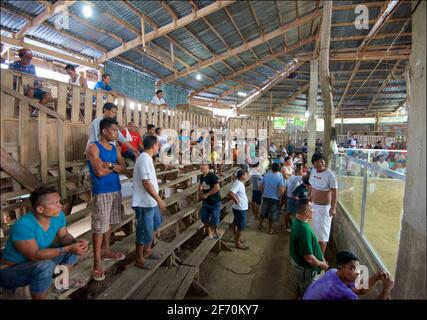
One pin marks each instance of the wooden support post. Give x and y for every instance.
(144, 117)
(161, 115)
(75, 104)
(22, 137)
(43, 146)
(120, 103)
(88, 106)
(312, 108)
(99, 103)
(150, 114)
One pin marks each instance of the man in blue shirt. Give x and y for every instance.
(272, 187)
(38, 242)
(104, 84)
(24, 65)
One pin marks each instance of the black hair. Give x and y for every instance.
(317, 156)
(287, 158)
(298, 166)
(159, 91)
(106, 123)
(302, 205)
(70, 67)
(306, 180)
(150, 126)
(38, 195)
(254, 165)
(240, 173)
(158, 129)
(275, 167)
(108, 106)
(149, 142)
(191, 132)
(344, 257)
(105, 75)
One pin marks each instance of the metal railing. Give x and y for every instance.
(373, 201)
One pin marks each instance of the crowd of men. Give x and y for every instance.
(39, 241)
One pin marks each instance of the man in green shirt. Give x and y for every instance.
(306, 256)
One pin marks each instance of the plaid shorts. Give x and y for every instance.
(107, 211)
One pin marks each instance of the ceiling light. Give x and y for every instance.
(87, 11)
(199, 76)
(242, 94)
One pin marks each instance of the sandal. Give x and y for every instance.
(242, 247)
(148, 265)
(155, 255)
(272, 232)
(73, 284)
(119, 258)
(98, 276)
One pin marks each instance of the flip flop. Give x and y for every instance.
(242, 247)
(148, 265)
(122, 257)
(155, 255)
(73, 284)
(272, 232)
(98, 276)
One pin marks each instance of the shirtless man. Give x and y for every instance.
(324, 197)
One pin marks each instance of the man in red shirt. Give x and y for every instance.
(136, 141)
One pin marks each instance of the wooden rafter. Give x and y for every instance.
(49, 12)
(247, 46)
(179, 23)
(288, 100)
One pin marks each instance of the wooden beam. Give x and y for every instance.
(166, 29)
(251, 44)
(49, 12)
(208, 103)
(264, 60)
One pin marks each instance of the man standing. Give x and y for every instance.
(75, 78)
(105, 163)
(211, 208)
(158, 99)
(240, 207)
(104, 84)
(147, 204)
(272, 187)
(291, 203)
(324, 196)
(306, 256)
(256, 177)
(109, 111)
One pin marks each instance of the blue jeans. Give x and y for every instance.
(210, 213)
(239, 219)
(147, 221)
(270, 209)
(36, 274)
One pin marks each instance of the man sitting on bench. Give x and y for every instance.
(31, 254)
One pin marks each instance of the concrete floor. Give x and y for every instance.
(262, 272)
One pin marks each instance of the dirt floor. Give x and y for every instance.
(262, 272)
(384, 209)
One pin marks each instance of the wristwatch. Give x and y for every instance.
(111, 166)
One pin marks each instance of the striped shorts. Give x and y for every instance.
(107, 211)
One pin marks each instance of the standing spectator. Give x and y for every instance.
(306, 255)
(158, 99)
(324, 196)
(105, 163)
(256, 177)
(104, 84)
(24, 65)
(109, 111)
(240, 207)
(75, 78)
(32, 253)
(339, 284)
(272, 187)
(292, 183)
(209, 192)
(147, 204)
(303, 190)
(288, 169)
(290, 147)
(134, 139)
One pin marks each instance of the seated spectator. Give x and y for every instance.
(306, 255)
(399, 167)
(339, 284)
(151, 131)
(133, 137)
(36, 91)
(39, 241)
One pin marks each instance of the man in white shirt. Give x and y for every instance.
(240, 207)
(158, 99)
(323, 193)
(147, 204)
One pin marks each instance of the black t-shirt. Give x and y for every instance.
(301, 192)
(208, 183)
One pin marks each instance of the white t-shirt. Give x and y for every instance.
(144, 170)
(383, 165)
(238, 188)
(323, 181)
(158, 101)
(353, 142)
